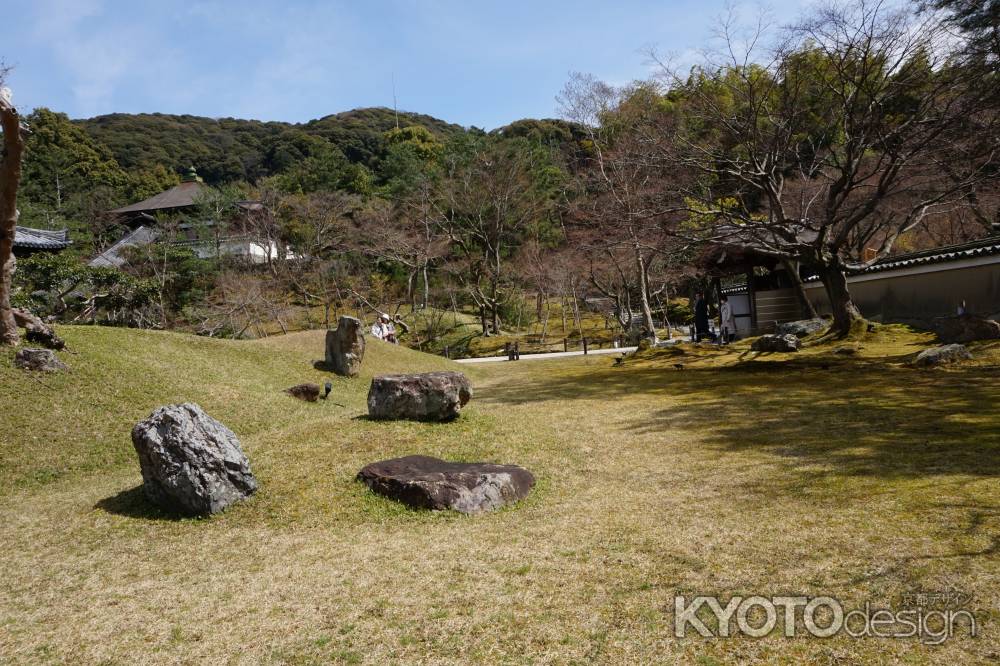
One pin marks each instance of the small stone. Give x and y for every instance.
(39, 360)
(190, 462)
(776, 343)
(942, 355)
(423, 482)
(307, 392)
(427, 396)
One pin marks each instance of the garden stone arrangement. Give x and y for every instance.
(776, 343)
(966, 328)
(191, 463)
(802, 327)
(345, 347)
(428, 396)
(424, 482)
(942, 355)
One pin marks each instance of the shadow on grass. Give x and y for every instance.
(133, 503)
(819, 417)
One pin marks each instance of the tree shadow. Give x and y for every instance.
(133, 503)
(817, 417)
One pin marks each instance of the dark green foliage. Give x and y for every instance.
(361, 133)
(228, 149)
(221, 150)
(567, 139)
(61, 285)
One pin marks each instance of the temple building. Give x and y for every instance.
(221, 239)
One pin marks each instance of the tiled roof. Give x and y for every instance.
(980, 248)
(41, 239)
(113, 255)
(178, 196)
(984, 247)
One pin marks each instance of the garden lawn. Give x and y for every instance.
(852, 476)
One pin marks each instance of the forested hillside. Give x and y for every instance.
(226, 150)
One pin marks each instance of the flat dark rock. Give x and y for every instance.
(423, 482)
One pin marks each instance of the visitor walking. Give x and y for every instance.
(727, 322)
(700, 317)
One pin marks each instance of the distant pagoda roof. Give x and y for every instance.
(178, 196)
(41, 239)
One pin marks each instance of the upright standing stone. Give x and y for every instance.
(345, 347)
(190, 462)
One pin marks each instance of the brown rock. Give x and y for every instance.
(307, 392)
(428, 396)
(429, 483)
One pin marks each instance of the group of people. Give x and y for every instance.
(384, 329)
(727, 321)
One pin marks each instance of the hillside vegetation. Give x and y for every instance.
(229, 149)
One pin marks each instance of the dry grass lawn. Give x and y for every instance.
(851, 476)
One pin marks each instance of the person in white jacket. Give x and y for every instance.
(727, 322)
(379, 329)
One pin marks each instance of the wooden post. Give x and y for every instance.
(752, 298)
(584, 346)
(565, 344)
(447, 352)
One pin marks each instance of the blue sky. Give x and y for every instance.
(473, 63)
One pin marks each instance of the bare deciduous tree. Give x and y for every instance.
(834, 145)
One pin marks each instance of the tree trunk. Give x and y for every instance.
(482, 321)
(10, 179)
(427, 288)
(647, 312)
(845, 312)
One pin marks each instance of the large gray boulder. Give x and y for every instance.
(942, 355)
(39, 360)
(966, 328)
(427, 396)
(190, 462)
(802, 328)
(775, 343)
(345, 347)
(429, 483)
